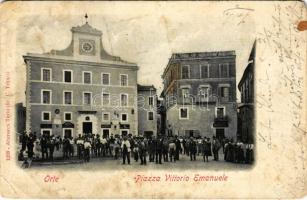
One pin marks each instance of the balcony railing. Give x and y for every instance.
(221, 119)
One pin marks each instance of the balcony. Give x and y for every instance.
(221, 122)
(210, 99)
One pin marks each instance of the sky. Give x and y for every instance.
(144, 33)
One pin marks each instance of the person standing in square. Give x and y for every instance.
(126, 150)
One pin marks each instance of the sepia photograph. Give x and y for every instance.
(163, 99)
(84, 105)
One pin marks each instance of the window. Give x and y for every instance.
(224, 70)
(105, 117)
(105, 79)
(46, 116)
(123, 99)
(105, 133)
(46, 97)
(124, 117)
(185, 72)
(124, 80)
(87, 98)
(225, 92)
(67, 116)
(204, 71)
(106, 99)
(220, 112)
(67, 76)
(67, 97)
(87, 77)
(46, 74)
(204, 92)
(150, 101)
(185, 92)
(183, 113)
(150, 116)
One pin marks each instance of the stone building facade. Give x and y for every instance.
(161, 120)
(200, 94)
(81, 89)
(246, 114)
(20, 122)
(147, 110)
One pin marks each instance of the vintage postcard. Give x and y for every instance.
(202, 99)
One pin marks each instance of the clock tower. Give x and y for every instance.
(86, 42)
(86, 45)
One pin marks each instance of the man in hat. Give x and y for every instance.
(30, 145)
(126, 150)
(44, 147)
(97, 145)
(215, 148)
(51, 145)
(178, 147)
(159, 147)
(23, 140)
(172, 150)
(111, 145)
(71, 146)
(80, 145)
(192, 149)
(142, 150)
(65, 147)
(103, 146)
(116, 146)
(151, 149)
(87, 149)
(206, 149)
(165, 149)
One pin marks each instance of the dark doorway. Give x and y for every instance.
(87, 127)
(105, 133)
(46, 133)
(220, 133)
(148, 134)
(189, 133)
(124, 133)
(68, 133)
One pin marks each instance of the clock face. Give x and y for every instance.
(87, 47)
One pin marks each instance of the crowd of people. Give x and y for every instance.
(157, 149)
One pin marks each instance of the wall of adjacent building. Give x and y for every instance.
(143, 108)
(201, 119)
(246, 115)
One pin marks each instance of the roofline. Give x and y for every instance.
(197, 58)
(93, 31)
(167, 66)
(73, 30)
(247, 69)
(40, 57)
(143, 89)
